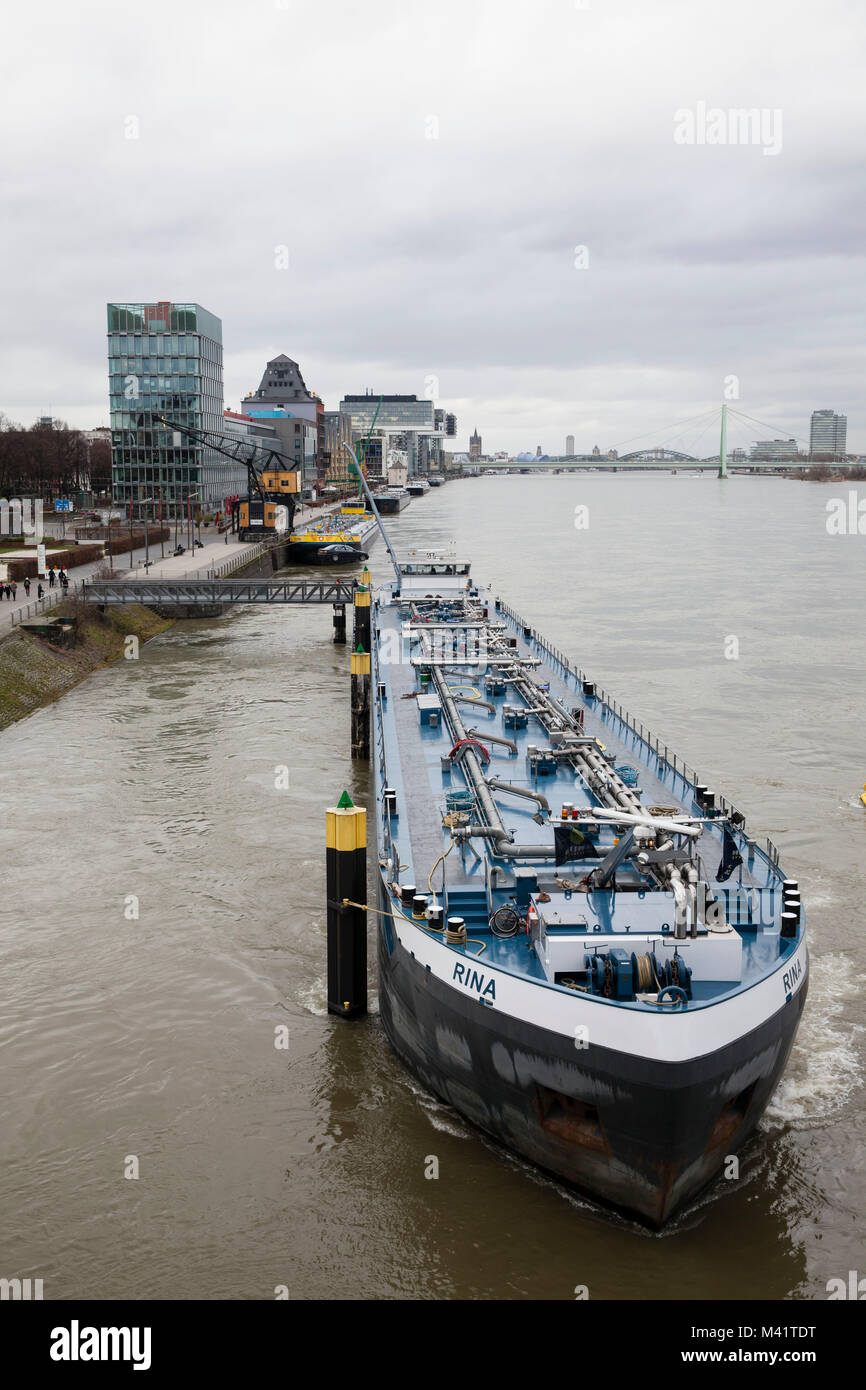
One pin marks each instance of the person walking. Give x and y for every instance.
(27, 587)
(14, 589)
(40, 591)
(51, 578)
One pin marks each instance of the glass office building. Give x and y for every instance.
(166, 359)
(396, 414)
(415, 426)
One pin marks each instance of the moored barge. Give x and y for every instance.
(580, 947)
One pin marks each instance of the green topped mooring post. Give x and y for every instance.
(723, 445)
(362, 625)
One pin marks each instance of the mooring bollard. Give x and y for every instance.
(363, 612)
(346, 866)
(359, 668)
(340, 624)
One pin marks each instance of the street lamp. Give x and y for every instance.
(145, 502)
(162, 534)
(190, 496)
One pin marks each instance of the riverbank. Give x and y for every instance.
(34, 672)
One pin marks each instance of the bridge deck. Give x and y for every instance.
(209, 591)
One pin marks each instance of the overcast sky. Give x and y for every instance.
(282, 123)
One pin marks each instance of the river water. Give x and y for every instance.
(163, 926)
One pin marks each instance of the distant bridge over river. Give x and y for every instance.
(647, 460)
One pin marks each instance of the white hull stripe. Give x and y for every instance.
(675, 1035)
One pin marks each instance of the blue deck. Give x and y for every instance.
(471, 879)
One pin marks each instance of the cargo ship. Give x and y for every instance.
(581, 949)
(392, 499)
(416, 487)
(351, 530)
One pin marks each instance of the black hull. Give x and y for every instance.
(389, 506)
(307, 554)
(641, 1135)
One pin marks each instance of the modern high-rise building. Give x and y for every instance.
(446, 423)
(166, 360)
(475, 445)
(569, 446)
(414, 426)
(828, 437)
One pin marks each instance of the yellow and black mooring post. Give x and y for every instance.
(363, 611)
(346, 864)
(359, 667)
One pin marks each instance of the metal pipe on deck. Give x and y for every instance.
(611, 817)
(504, 849)
(476, 700)
(469, 762)
(494, 738)
(542, 801)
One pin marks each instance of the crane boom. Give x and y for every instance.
(242, 451)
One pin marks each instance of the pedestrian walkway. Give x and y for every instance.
(215, 558)
(215, 555)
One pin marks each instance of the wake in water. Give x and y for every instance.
(441, 1116)
(825, 1066)
(315, 998)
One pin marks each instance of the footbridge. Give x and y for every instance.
(206, 592)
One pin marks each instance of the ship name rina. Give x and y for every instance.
(791, 977)
(474, 980)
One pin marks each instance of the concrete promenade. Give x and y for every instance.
(216, 555)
